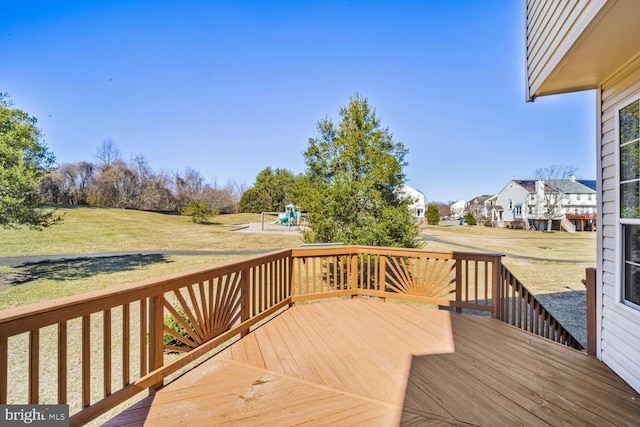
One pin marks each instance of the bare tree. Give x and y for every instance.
(551, 184)
(117, 186)
(236, 189)
(188, 186)
(220, 199)
(69, 183)
(154, 189)
(108, 153)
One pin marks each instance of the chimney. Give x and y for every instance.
(572, 177)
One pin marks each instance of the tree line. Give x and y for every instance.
(351, 189)
(115, 183)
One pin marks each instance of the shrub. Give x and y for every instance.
(199, 211)
(172, 323)
(433, 214)
(470, 219)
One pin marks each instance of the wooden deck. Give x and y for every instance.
(362, 362)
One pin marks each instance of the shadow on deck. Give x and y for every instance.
(364, 362)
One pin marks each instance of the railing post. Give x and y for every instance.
(156, 336)
(382, 275)
(246, 298)
(496, 295)
(4, 369)
(292, 278)
(458, 283)
(354, 275)
(590, 283)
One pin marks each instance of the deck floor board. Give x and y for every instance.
(364, 362)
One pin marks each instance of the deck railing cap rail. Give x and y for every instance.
(380, 250)
(60, 309)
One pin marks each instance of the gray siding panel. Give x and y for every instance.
(620, 328)
(552, 26)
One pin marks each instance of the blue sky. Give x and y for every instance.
(229, 88)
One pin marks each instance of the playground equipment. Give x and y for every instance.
(290, 217)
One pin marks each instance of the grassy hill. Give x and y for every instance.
(87, 230)
(90, 230)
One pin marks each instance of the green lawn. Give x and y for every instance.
(88, 230)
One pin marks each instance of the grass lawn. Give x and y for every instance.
(88, 230)
(555, 262)
(550, 265)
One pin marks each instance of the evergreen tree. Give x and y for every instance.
(24, 159)
(470, 219)
(433, 214)
(270, 193)
(352, 186)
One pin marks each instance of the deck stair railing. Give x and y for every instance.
(103, 347)
(519, 307)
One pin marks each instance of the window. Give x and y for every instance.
(532, 197)
(629, 136)
(578, 197)
(510, 204)
(518, 210)
(590, 197)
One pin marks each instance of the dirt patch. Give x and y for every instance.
(12, 279)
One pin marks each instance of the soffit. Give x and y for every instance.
(609, 41)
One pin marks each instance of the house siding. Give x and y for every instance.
(517, 194)
(552, 27)
(620, 325)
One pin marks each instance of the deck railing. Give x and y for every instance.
(520, 308)
(103, 347)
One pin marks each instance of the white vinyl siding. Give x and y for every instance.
(553, 26)
(620, 326)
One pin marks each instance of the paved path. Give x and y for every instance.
(15, 261)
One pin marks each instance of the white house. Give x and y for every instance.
(418, 207)
(511, 204)
(458, 209)
(523, 204)
(578, 45)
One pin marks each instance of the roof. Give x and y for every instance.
(591, 183)
(579, 45)
(414, 194)
(568, 186)
(480, 199)
(528, 184)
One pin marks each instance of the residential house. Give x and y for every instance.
(579, 45)
(418, 207)
(578, 203)
(510, 209)
(524, 204)
(480, 207)
(458, 209)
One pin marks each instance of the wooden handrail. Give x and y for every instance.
(212, 305)
(521, 308)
